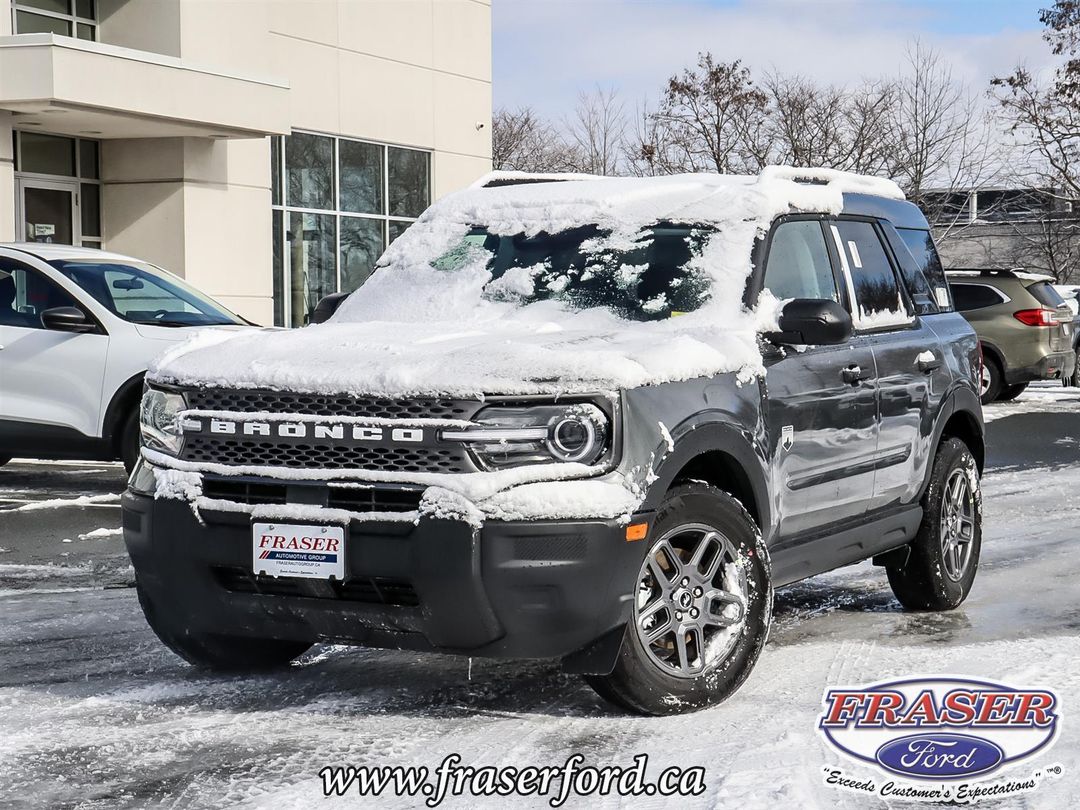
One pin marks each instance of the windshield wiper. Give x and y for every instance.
(168, 323)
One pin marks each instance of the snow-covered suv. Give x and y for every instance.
(590, 419)
(78, 327)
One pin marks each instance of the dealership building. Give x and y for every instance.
(266, 150)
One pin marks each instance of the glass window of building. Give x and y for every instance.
(58, 188)
(68, 18)
(337, 204)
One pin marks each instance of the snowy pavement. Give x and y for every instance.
(94, 713)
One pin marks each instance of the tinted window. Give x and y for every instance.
(878, 300)
(974, 296)
(798, 265)
(25, 294)
(1046, 295)
(924, 275)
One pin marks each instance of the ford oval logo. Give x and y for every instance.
(939, 756)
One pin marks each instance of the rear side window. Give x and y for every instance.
(798, 265)
(25, 294)
(924, 275)
(878, 301)
(969, 297)
(1046, 295)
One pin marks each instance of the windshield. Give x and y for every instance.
(651, 278)
(142, 293)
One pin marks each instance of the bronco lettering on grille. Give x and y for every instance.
(304, 430)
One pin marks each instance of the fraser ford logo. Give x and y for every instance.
(949, 731)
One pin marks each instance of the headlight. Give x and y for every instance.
(539, 434)
(159, 420)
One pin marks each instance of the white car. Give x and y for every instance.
(78, 328)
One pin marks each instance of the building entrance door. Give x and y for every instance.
(47, 211)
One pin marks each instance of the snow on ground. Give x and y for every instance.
(95, 714)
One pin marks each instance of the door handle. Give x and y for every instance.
(852, 375)
(927, 365)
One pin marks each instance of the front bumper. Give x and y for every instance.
(542, 589)
(1054, 366)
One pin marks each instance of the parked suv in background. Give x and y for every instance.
(1069, 293)
(1024, 325)
(590, 419)
(78, 327)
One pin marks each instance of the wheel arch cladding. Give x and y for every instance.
(964, 426)
(722, 456)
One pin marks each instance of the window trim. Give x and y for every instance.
(73, 18)
(75, 294)
(282, 209)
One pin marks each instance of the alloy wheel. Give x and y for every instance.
(957, 525)
(984, 381)
(691, 601)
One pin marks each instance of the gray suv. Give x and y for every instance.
(592, 420)
(1024, 325)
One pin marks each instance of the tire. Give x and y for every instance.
(219, 652)
(129, 441)
(668, 677)
(1012, 392)
(941, 564)
(992, 380)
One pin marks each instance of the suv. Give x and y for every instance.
(597, 420)
(78, 327)
(1024, 325)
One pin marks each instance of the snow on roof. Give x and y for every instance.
(415, 328)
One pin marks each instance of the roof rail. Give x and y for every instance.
(498, 179)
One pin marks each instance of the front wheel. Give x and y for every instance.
(129, 441)
(217, 652)
(942, 560)
(702, 607)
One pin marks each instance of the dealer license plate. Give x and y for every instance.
(293, 550)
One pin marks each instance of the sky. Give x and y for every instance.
(547, 51)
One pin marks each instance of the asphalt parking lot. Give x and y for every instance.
(95, 713)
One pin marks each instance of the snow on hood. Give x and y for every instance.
(415, 329)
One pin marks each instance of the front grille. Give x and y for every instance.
(369, 590)
(239, 491)
(326, 453)
(374, 499)
(234, 452)
(223, 399)
(353, 499)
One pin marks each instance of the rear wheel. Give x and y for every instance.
(1012, 392)
(702, 607)
(992, 380)
(942, 560)
(218, 652)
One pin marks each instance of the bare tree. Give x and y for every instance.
(828, 126)
(710, 118)
(523, 141)
(944, 140)
(1048, 240)
(597, 131)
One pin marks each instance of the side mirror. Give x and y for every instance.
(326, 308)
(67, 319)
(812, 322)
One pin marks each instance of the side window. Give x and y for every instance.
(969, 297)
(25, 294)
(930, 272)
(798, 264)
(877, 300)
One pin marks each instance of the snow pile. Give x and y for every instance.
(417, 327)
